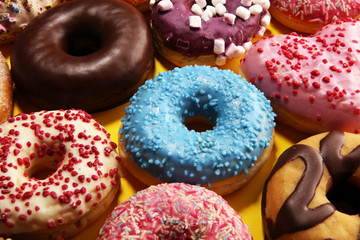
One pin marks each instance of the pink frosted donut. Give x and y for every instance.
(174, 211)
(58, 172)
(313, 82)
(310, 15)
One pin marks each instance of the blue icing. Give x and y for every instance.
(157, 139)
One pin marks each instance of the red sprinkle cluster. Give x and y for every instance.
(56, 139)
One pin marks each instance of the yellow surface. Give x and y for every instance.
(245, 201)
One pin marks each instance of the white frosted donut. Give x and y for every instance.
(81, 167)
(16, 14)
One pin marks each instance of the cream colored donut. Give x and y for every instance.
(16, 14)
(6, 90)
(80, 165)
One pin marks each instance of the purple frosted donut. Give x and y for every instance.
(207, 32)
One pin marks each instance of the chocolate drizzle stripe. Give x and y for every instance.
(295, 215)
(340, 167)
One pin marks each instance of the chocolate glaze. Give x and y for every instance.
(51, 67)
(294, 215)
(172, 27)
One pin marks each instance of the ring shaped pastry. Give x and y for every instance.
(207, 32)
(313, 190)
(83, 54)
(308, 16)
(157, 146)
(58, 172)
(174, 211)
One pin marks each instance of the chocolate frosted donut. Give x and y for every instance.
(313, 191)
(85, 54)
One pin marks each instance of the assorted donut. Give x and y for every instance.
(311, 81)
(83, 54)
(15, 15)
(174, 211)
(312, 192)
(191, 133)
(6, 90)
(308, 16)
(157, 146)
(59, 171)
(207, 32)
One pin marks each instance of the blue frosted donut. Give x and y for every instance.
(156, 145)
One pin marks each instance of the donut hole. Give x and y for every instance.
(82, 42)
(199, 114)
(345, 198)
(198, 124)
(42, 169)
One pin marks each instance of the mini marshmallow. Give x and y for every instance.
(216, 2)
(201, 3)
(220, 61)
(255, 9)
(220, 9)
(206, 15)
(258, 2)
(264, 3)
(229, 18)
(210, 13)
(243, 13)
(152, 3)
(265, 21)
(234, 51)
(247, 45)
(211, 9)
(165, 5)
(246, 3)
(261, 31)
(195, 21)
(219, 46)
(196, 9)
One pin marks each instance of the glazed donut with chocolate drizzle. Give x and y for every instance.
(313, 191)
(312, 82)
(308, 16)
(200, 32)
(84, 54)
(58, 173)
(15, 15)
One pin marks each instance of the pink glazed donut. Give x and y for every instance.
(174, 211)
(312, 82)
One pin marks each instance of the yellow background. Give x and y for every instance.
(245, 201)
